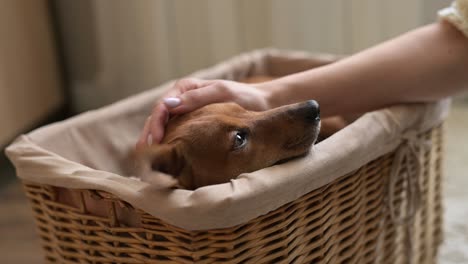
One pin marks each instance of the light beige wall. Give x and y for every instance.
(140, 44)
(29, 86)
(117, 47)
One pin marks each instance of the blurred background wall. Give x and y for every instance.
(117, 48)
(85, 54)
(30, 82)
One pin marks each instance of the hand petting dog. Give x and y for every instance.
(187, 96)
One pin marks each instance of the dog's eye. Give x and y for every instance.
(240, 139)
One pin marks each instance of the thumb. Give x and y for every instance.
(194, 99)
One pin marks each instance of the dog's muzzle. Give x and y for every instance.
(309, 110)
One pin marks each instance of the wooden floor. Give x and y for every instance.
(18, 240)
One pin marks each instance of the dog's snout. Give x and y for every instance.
(314, 112)
(310, 110)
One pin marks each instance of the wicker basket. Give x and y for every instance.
(346, 221)
(366, 216)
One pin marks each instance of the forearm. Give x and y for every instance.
(422, 65)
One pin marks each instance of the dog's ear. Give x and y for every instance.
(165, 158)
(160, 165)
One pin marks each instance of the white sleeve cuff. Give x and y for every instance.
(457, 15)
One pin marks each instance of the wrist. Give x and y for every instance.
(270, 94)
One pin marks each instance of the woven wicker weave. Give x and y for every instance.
(346, 221)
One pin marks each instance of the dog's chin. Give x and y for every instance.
(300, 148)
(303, 144)
(303, 154)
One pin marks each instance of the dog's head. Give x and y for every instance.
(218, 142)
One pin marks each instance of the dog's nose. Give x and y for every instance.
(310, 110)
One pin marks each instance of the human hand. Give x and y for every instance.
(190, 94)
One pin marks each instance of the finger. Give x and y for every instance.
(197, 98)
(159, 118)
(143, 140)
(160, 114)
(187, 84)
(175, 101)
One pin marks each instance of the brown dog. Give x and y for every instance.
(216, 143)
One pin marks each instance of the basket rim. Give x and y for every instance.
(229, 204)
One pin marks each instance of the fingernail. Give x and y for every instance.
(172, 102)
(149, 140)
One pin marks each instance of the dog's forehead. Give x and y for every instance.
(207, 121)
(219, 113)
(230, 109)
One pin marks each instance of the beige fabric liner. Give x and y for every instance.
(91, 151)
